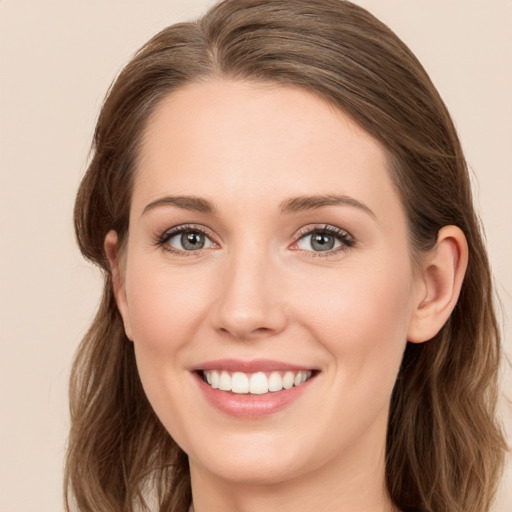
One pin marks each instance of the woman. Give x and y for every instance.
(297, 312)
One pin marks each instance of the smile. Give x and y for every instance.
(253, 389)
(257, 383)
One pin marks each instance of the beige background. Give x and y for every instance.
(57, 58)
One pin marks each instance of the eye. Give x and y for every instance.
(325, 239)
(185, 239)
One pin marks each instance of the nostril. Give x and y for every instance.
(241, 333)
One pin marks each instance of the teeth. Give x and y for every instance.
(275, 382)
(288, 380)
(257, 383)
(225, 381)
(214, 377)
(240, 383)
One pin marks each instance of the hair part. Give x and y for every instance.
(444, 448)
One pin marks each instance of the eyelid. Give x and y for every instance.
(343, 236)
(162, 239)
(346, 239)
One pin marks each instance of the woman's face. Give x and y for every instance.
(267, 245)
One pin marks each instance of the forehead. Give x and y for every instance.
(229, 141)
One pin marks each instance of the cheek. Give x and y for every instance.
(165, 307)
(164, 304)
(361, 316)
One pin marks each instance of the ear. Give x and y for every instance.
(111, 246)
(440, 282)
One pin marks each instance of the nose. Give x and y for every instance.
(251, 302)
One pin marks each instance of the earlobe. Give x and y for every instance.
(111, 246)
(443, 271)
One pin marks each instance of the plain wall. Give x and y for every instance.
(57, 59)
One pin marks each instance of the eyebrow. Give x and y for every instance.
(192, 203)
(292, 205)
(304, 203)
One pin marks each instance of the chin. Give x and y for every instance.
(256, 460)
(255, 471)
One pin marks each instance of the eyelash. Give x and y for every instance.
(163, 239)
(346, 240)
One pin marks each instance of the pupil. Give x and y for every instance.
(322, 242)
(192, 241)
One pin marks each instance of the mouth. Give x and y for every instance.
(253, 389)
(254, 383)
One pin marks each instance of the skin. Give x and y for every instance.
(259, 290)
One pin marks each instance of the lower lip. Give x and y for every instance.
(251, 406)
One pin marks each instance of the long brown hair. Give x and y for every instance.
(444, 447)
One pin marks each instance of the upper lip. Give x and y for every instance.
(256, 365)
